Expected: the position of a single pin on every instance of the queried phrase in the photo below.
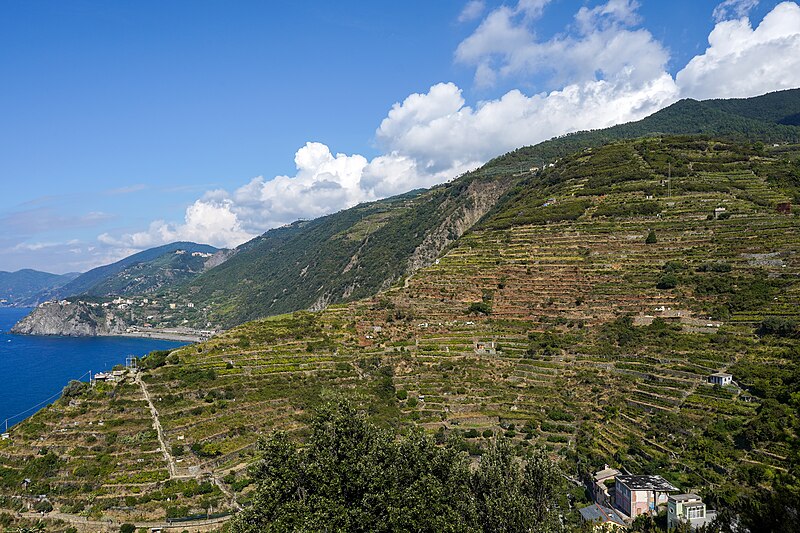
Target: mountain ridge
(360, 251)
(307, 265)
(23, 287)
(556, 321)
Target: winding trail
(173, 470)
(157, 426)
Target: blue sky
(130, 124)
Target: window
(695, 512)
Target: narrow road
(226, 492)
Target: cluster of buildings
(619, 499)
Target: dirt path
(157, 426)
(86, 524)
(173, 470)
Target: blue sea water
(33, 370)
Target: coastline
(166, 335)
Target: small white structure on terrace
(720, 378)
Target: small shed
(718, 211)
(720, 378)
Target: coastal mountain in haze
(141, 273)
(24, 287)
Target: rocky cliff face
(70, 319)
(481, 197)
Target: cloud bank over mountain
(603, 69)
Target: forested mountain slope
(24, 287)
(359, 251)
(152, 266)
(583, 313)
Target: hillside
(357, 252)
(143, 272)
(347, 255)
(24, 287)
(583, 313)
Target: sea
(34, 369)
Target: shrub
(127, 528)
(667, 281)
(715, 267)
(154, 359)
(487, 433)
(471, 433)
(778, 326)
(402, 395)
(43, 506)
(74, 388)
(483, 308)
(674, 266)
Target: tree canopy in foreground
(354, 476)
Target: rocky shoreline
(75, 319)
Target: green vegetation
(25, 287)
(592, 361)
(357, 252)
(353, 476)
(143, 272)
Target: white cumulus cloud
(207, 221)
(603, 69)
(741, 61)
(604, 44)
(733, 9)
(472, 10)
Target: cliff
(71, 319)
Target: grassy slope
(570, 374)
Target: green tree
(511, 497)
(43, 506)
(74, 388)
(651, 238)
(667, 281)
(353, 476)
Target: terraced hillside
(583, 313)
(357, 252)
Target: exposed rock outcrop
(481, 196)
(70, 319)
